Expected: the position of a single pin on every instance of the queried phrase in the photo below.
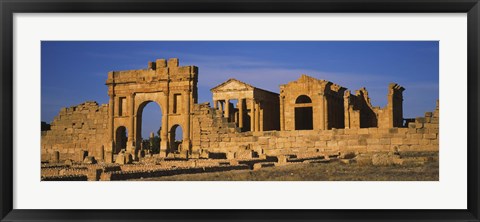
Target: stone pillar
(215, 104)
(240, 113)
(346, 108)
(111, 113)
(325, 112)
(227, 110)
(110, 117)
(319, 113)
(235, 118)
(164, 131)
(261, 118)
(252, 115)
(221, 105)
(257, 116)
(186, 133)
(282, 116)
(131, 132)
(102, 153)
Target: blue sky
(75, 71)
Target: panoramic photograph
(239, 111)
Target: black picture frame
(9, 7)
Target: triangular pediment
(232, 85)
(306, 78)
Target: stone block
(430, 136)
(244, 154)
(363, 131)
(120, 159)
(396, 141)
(384, 159)
(230, 155)
(420, 120)
(90, 160)
(363, 160)
(282, 159)
(68, 162)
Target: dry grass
(333, 171)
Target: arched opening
(303, 99)
(176, 139)
(149, 126)
(303, 113)
(121, 136)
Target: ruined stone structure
(256, 109)
(359, 112)
(76, 130)
(311, 104)
(172, 87)
(309, 117)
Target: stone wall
(359, 112)
(218, 136)
(309, 103)
(76, 129)
(210, 127)
(82, 128)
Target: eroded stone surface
(308, 119)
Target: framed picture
(269, 110)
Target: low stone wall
(75, 129)
(136, 174)
(421, 135)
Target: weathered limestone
(251, 105)
(309, 117)
(311, 104)
(172, 87)
(77, 128)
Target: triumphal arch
(172, 87)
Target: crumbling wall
(359, 112)
(76, 129)
(209, 127)
(216, 136)
(392, 114)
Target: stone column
(131, 133)
(262, 122)
(215, 104)
(110, 118)
(240, 113)
(282, 116)
(221, 105)
(257, 116)
(235, 118)
(346, 109)
(164, 131)
(186, 133)
(325, 112)
(252, 115)
(227, 110)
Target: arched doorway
(303, 113)
(121, 136)
(176, 138)
(149, 123)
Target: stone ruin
(310, 120)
